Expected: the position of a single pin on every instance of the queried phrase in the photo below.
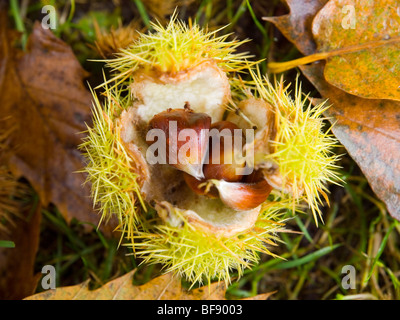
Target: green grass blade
(256, 22)
(71, 12)
(380, 250)
(143, 13)
(7, 244)
(306, 259)
(19, 24)
(240, 11)
(303, 229)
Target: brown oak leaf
(17, 277)
(370, 131)
(44, 102)
(165, 287)
(296, 26)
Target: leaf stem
(278, 67)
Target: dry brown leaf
(17, 278)
(165, 287)
(296, 26)
(11, 192)
(368, 128)
(43, 99)
(370, 131)
(262, 296)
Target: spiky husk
(203, 257)
(185, 250)
(111, 171)
(302, 148)
(108, 43)
(194, 253)
(177, 47)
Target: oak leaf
(17, 277)
(370, 131)
(165, 287)
(346, 26)
(44, 103)
(296, 26)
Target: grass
(19, 24)
(357, 229)
(7, 244)
(78, 255)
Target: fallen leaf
(368, 128)
(165, 287)
(296, 26)
(43, 98)
(262, 296)
(370, 131)
(10, 191)
(17, 278)
(348, 25)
